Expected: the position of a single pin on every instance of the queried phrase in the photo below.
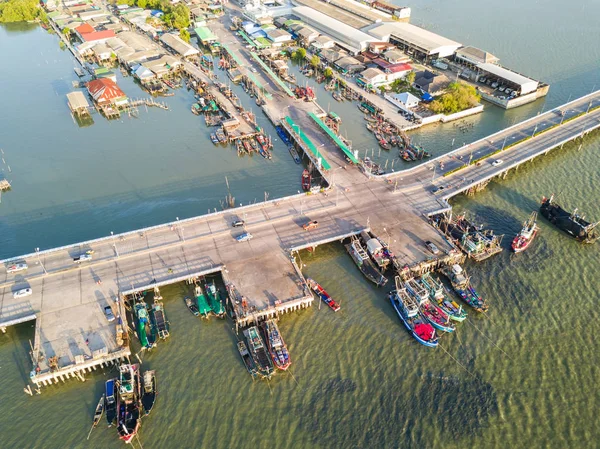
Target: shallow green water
(523, 376)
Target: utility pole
(37, 250)
(112, 234)
(180, 229)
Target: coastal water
(525, 375)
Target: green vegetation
(405, 85)
(328, 73)
(315, 61)
(66, 31)
(185, 35)
(410, 77)
(21, 11)
(299, 55)
(176, 16)
(458, 98)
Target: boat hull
(429, 344)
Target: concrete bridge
(68, 299)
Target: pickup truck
(82, 258)
(310, 225)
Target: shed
(524, 85)
(205, 35)
(179, 45)
(407, 99)
(143, 73)
(78, 104)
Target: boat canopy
(374, 246)
(457, 269)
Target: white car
(497, 162)
(16, 267)
(244, 237)
(253, 70)
(22, 293)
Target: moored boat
(158, 319)
(282, 135)
(306, 180)
(294, 154)
(364, 263)
(192, 307)
(220, 135)
(110, 401)
(570, 222)
(462, 286)
(385, 144)
(438, 293)
(128, 402)
(214, 139)
(337, 97)
(98, 412)
(530, 229)
(321, 293)
(276, 345)
(247, 147)
(247, 358)
(258, 351)
(203, 307)
(150, 391)
(143, 324)
(214, 299)
(408, 311)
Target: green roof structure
(272, 74)
(334, 137)
(308, 143)
(205, 35)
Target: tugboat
(247, 358)
(408, 311)
(464, 289)
(258, 352)
(530, 229)
(364, 262)
(572, 223)
(128, 402)
(277, 347)
(320, 291)
(150, 391)
(306, 180)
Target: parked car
(310, 225)
(22, 293)
(238, 223)
(494, 85)
(431, 247)
(85, 257)
(253, 70)
(438, 189)
(508, 90)
(108, 313)
(497, 162)
(244, 237)
(16, 267)
(501, 88)
(482, 79)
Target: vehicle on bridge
(432, 247)
(497, 162)
(16, 267)
(310, 225)
(244, 237)
(238, 223)
(22, 293)
(82, 258)
(108, 313)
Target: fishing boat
(282, 135)
(369, 118)
(248, 147)
(258, 352)
(253, 144)
(240, 147)
(376, 250)
(364, 263)
(214, 299)
(220, 135)
(262, 142)
(158, 319)
(150, 391)
(321, 293)
(438, 294)
(247, 358)
(128, 402)
(530, 229)
(408, 311)
(214, 139)
(463, 288)
(277, 347)
(371, 127)
(110, 401)
(385, 144)
(196, 109)
(337, 97)
(372, 167)
(99, 411)
(294, 154)
(306, 180)
(569, 222)
(432, 312)
(143, 324)
(362, 108)
(192, 307)
(203, 307)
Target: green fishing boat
(214, 299)
(203, 306)
(143, 324)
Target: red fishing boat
(262, 142)
(277, 347)
(530, 229)
(321, 293)
(306, 180)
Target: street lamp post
(180, 229)
(534, 130)
(112, 234)
(37, 250)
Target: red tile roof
(402, 67)
(85, 28)
(97, 35)
(104, 90)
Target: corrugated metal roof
(77, 100)
(179, 45)
(414, 35)
(527, 84)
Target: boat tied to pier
(143, 324)
(247, 358)
(110, 401)
(150, 391)
(203, 307)
(258, 352)
(408, 311)
(214, 299)
(364, 262)
(306, 180)
(277, 347)
(438, 294)
(463, 288)
(128, 402)
(530, 229)
(569, 222)
(321, 293)
(192, 307)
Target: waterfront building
(404, 100)
(471, 56)
(430, 82)
(349, 65)
(106, 93)
(178, 45)
(323, 42)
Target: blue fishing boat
(294, 154)
(439, 295)
(408, 311)
(431, 312)
(282, 135)
(464, 289)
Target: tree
(410, 77)
(181, 16)
(300, 55)
(66, 31)
(457, 98)
(20, 11)
(328, 73)
(184, 34)
(142, 3)
(315, 61)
